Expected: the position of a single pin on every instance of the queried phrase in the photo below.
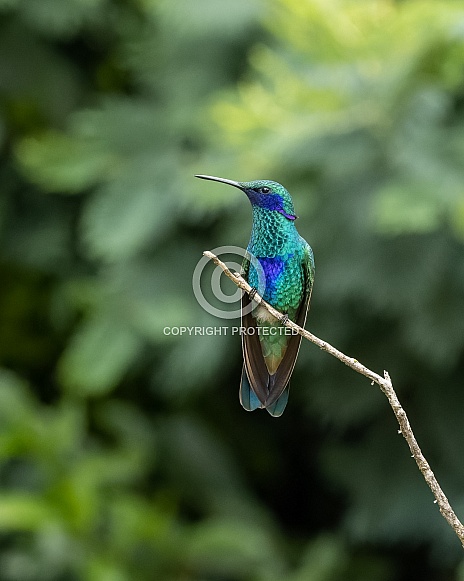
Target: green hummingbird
(280, 265)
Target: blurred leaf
(399, 208)
(19, 512)
(62, 163)
(100, 570)
(124, 216)
(127, 127)
(324, 560)
(60, 17)
(206, 15)
(226, 547)
(98, 356)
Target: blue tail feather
(248, 398)
(277, 408)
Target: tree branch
(385, 385)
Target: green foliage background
(124, 453)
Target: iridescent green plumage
(283, 275)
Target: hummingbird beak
(222, 180)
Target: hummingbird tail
(276, 409)
(248, 398)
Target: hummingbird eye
(265, 190)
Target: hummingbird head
(265, 194)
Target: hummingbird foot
(284, 320)
(252, 293)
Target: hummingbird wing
(254, 365)
(255, 376)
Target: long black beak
(222, 180)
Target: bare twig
(385, 385)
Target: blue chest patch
(273, 269)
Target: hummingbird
(280, 256)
